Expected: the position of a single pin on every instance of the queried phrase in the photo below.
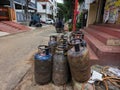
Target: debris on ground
(95, 77)
(28, 83)
(101, 77)
(108, 81)
(115, 71)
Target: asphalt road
(15, 53)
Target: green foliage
(80, 1)
(79, 24)
(70, 7)
(70, 27)
(62, 10)
(66, 10)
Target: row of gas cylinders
(62, 59)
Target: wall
(54, 9)
(99, 17)
(92, 13)
(43, 17)
(87, 3)
(51, 9)
(12, 14)
(40, 8)
(32, 3)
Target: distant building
(16, 9)
(47, 9)
(85, 5)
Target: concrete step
(93, 57)
(108, 55)
(108, 30)
(8, 29)
(117, 26)
(16, 25)
(104, 37)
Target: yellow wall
(92, 14)
(12, 14)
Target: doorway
(4, 15)
(100, 12)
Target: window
(44, 6)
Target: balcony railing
(20, 1)
(23, 2)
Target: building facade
(18, 8)
(104, 11)
(47, 9)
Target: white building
(47, 9)
(85, 5)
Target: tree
(62, 10)
(70, 7)
(66, 10)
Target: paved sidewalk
(15, 53)
(3, 33)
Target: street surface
(15, 53)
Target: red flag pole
(75, 14)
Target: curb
(10, 34)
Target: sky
(60, 1)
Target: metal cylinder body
(60, 69)
(52, 44)
(43, 68)
(79, 64)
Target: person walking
(59, 26)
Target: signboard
(112, 6)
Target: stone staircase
(16, 25)
(103, 44)
(12, 27)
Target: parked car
(42, 21)
(49, 21)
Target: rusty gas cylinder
(43, 65)
(52, 44)
(77, 34)
(60, 67)
(78, 59)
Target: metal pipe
(75, 14)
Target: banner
(111, 6)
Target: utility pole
(22, 10)
(26, 10)
(75, 14)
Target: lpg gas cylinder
(77, 34)
(43, 65)
(63, 41)
(52, 44)
(60, 66)
(77, 37)
(79, 63)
